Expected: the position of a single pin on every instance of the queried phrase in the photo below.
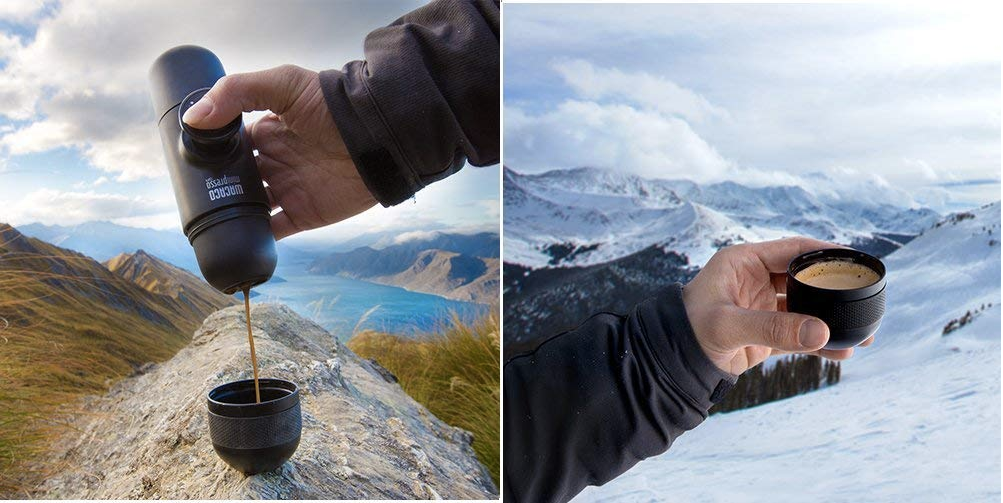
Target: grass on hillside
(56, 346)
(454, 373)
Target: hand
(301, 155)
(737, 316)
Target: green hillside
(69, 327)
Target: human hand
(735, 311)
(301, 155)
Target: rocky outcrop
(363, 437)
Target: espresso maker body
(220, 195)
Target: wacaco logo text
(223, 187)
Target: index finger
(275, 89)
(776, 255)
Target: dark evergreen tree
(786, 377)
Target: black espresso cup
(853, 314)
(255, 437)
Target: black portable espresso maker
(220, 195)
(254, 425)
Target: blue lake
(345, 306)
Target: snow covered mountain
(587, 216)
(914, 418)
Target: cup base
(254, 461)
(846, 338)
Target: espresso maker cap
(178, 72)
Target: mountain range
(452, 265)
(585, 240)
(457, 266)
(914, 418)
(587, 216)
(162, 278)
(104, 240)
(69, 326)
(44, 279)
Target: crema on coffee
(837, 275)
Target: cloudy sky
(78, 138)
(897, 98)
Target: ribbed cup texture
(844, 315)
(256, 432)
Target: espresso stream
(250, 339)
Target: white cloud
(414, 236)
(19, 10)
(55, 207)
(923, 168)
(456, 204)
(37, 137)
(642, 88)
(585, 133)
(82, 81)
(8, 44)
(847, 183)
(908, 94)
(424, 235)
(491, 207)
(85, 184)
(164, 220)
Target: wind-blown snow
(916, 417)
(624, 214)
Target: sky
(902, 98)
(78, 137)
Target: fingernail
(813, 334)
(198, 111)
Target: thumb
(778, 330)
(275, 89)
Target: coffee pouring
(254, 424)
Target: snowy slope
(915, 418)
(622, 214)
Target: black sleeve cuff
(381, 171)
(666, 325)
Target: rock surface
(363, 437)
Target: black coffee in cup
(845, 288)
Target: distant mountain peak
(457, 266)
(12, 240)
(163, 278)
(103, 240)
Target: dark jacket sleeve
(424, 101)
(588, 404)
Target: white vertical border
(501, 252)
